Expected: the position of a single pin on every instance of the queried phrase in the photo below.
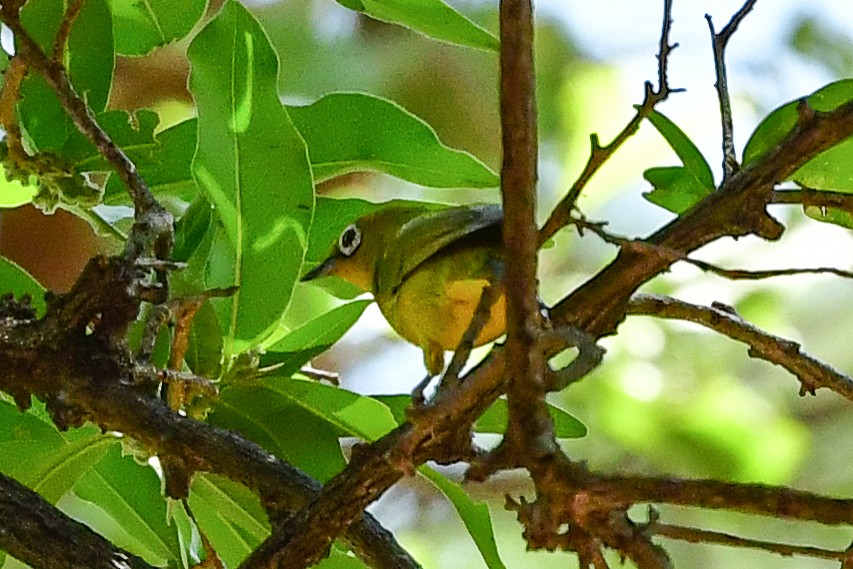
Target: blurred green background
(670, 398)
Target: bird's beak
(320, 270)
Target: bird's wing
(426, 235)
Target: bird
(428, 269)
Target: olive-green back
(426, 235)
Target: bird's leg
(488, 298)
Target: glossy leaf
(475, 515)
(280, 425)
(232, 518)
(348, 132)
(14, 194)
(129, 493)
(19, 282)
(252, 165)
(678, 188)
(684, 148)
(830, 170)
(90, 61)
(140, 26)
(54, 461)
(675, 188)
(312, 338)
(494, 420)
(432, 18)
(229, 515)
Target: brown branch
(599, 155)
(719, 43)
(816, 198)
(530, 428)
(37, 533)
(64, 31)
(733, 274)
(812, 373)
(695, 535)
(152, 232)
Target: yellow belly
(433, 310)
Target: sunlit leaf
(678, 188)
(829, 170)
(54, 461)
(19, 282)
(475, 515)
(140, 26)
(312, 338)
(253, 167)
(494, 420)
(432, 18)
(129, 493)
(347, 132)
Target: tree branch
(599, 155)
(38, 534)
(719, 42)
(152, 232)
(812, 373)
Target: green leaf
(371, 133)
(253, 167)
(91, 55)
(684, 148)
(129, 132)
(678, 188)
(164, 163)
(312, 338)
(432, 18)
(675, 188)
(831, 169)
(234, 521)
(90, 61)
(475, 515)
(19, 282)
(494, 420)
(830, 215)
(129, 493)
(229, 515)
(141, 26)
(268, 417)
(54, 461)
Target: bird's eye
(349, 240)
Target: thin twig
(812, 373)
(696, 535)
(64, 31)
(733, 274)
(599, 154)
(816, 198)
(719, 42)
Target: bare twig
(695, 535)
(812, 373)
(599, 154)
(733, 274)
(64, 31)
(719, 42)
(816, 198)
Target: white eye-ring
(349, 240)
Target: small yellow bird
(427, 269)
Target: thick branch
(38, 534)
(530, 429)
